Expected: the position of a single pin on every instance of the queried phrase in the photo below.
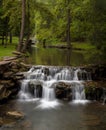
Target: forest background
(56, 21)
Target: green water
(64, 57)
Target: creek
(64, 57)
(42, 90)
(66, 116)
(44, 111)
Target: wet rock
(7, 75)
(15, 70)
(8, 83)
(19, 75)
(15, 114)
(8, 123)
(17, 53)
(63, 91)
(27, 124)
(10, 58)
(3, 63)
(98, 72)
(1, 121)
(18, 78)
(25, 66)
(4, 67)
(45, 71)
(94, 90)
(35, 89)
(4, 93)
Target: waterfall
(40, 82)
(104, 96)
(48, 94)
(48, 91)
(78, 91)
(76, 74)
(24, 93)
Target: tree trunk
(68, 25)
(10, 38)
(6, 39)
(24, 49)
(3, 38)
(68, 57)
(20, 46)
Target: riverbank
(10, 76)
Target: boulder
(4, 93)
(98, 72)
(15, 114)
(94, 90)
(63, 91)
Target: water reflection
(58, 57)
(63, 57)
(68, 57)
(94, 116)
(91, 116)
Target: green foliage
(12, 10)
(47, 19)
(88, 19)
(98, 21)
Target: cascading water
(24, 93)
(41, 83)
(48, 92)
(78, 91)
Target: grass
(83, 45)
(77, 45)
(7, 51)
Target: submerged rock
(1, 121)
(15, 114)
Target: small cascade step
(42, 82)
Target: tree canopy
(51, 19)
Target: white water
(48, 91)
(24, 93)
(47, 78)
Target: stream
(65, 116)
(64, 57)
(43, 111)
(38, 97)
